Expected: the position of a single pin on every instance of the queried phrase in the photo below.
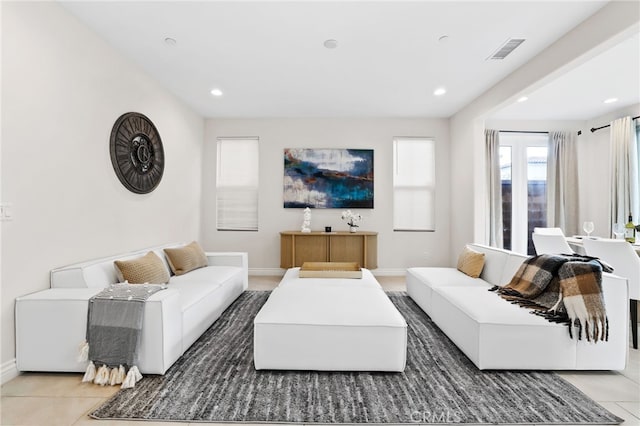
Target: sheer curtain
(624, 171)
(562, 182)
(494, 187)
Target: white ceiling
(268, 57)
(579, 94)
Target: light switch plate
(6, 212)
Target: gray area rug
(215, 381)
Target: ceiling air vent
(508, 47)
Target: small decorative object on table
(306, 223)
(352, 219)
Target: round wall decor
(136, 150)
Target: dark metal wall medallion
(136, 153)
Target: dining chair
(550, 244)
(548, 231)
(626, 263)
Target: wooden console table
(298, 247)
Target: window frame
(429, 187)
(251, 188)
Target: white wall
(613, 23)
(62, 90)
(396, 250)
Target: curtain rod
(520, 131)
(529, 131)
(593, 129)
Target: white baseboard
(278, 272)
(389, 272)
(269, 272)
(8, 371)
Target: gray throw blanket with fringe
(114, 326)
(562, 288)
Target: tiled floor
(61, 399)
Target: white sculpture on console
(306, 223)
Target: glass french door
(523, 170)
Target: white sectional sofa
(496, 334)
(51, 324)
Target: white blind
(237, 184)
(414, 183)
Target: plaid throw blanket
(564, 289)
(114, 325)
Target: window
(414, 184)
(638, 145)
(237, 184)
(523, 170)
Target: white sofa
(51, 324)
(495, 334)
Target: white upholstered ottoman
(329, 324)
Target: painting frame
(328, 178)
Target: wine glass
(618, 230)
(588, 228)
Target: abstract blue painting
(328, 178)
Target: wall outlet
(6, 212)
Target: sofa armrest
(51, 324)
(239, 259)
(611, 355)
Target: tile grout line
(630, 413)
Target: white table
(329, 324)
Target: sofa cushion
(186, 259)
(192, 293)
(146, 269)
(487, 307)
(471, 262)
(446, 277)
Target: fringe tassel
(102, 376)
(90, 373)
(133, 376)
(117, 376)
(137, 374)
(83, 354)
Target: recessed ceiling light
(330, 44)
(610, 100)
(440, 91)
(523, 99)
(170, 41)
(216, 92)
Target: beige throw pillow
(185, 259)
(471, 262)
(146, 269)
